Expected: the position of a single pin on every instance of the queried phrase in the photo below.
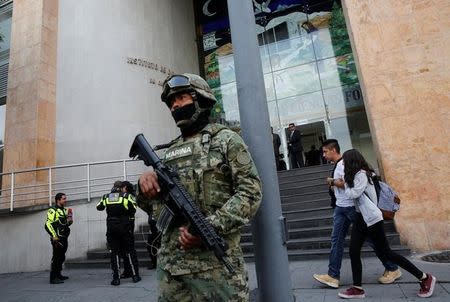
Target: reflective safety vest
(56, 224)
(118, 205)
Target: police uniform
(57, 226)
(120, 208)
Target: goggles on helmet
(176, 81)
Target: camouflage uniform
(219, 174)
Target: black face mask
(185, 114)
(183, 118)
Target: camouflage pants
(215, 285)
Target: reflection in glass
(322, 43)
(5, 34)
(270, 91)
(2, 124)
(301, 109)
(273, 113)
(338, 71)
(309, 71)
(340, 100)
(296, 80)
(300, 51)
(230, 102)
(226, 69)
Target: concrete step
(305, 171)
(298, 214)
(100, 263)
(324, 231)
(307, 189)
(318, 243)
(309, 222)
(302, 177)
(305, 205)
(297, 255)
(141, 252)
(311, 243)
(313, 180)
(303, 197)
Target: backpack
(388, 200)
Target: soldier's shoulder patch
(243, 158)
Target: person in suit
(276, 141)
(295, 147)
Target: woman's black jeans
(360, 232)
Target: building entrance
(309, 72)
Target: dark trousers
(360, 232)
(58, 258)
(297, 160)
(127, 269)
(120, 237)
(153, 241)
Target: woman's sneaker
(427, 286)
(352, 293)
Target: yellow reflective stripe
(113, 201)
(50, 220)
(125, 203)
(102, 201)
(50, 228)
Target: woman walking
(369, 223)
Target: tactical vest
(203, 169)
(202, 166)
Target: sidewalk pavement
(93, 284)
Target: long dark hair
(353, 163)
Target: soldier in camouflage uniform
(217, 170)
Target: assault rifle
(178, 200)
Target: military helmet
(188, 82)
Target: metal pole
(124, 169)
(268, 228)
(11, 206)
(88, 182)
(50, 186)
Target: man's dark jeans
(343, 217)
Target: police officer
(119, 233)
(214, 165)
(127, 187)
(57, 226)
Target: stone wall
(30, 110)
(402, 51)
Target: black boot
(115, 265)
(54, 279)
(61, 277)
(115, 281)
(136, 279)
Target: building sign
(145, 63)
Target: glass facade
(5, 40)
(309, 70)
